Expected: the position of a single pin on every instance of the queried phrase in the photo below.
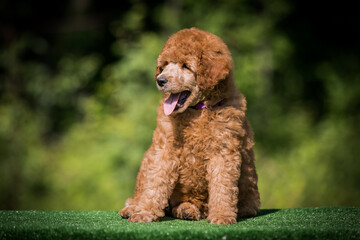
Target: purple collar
(201, 105)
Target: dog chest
(192, 175)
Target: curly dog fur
(201, 162)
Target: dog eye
(162, 66)
(186, 66)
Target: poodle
(201, 162)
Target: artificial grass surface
(303, 223)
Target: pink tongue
(170, 103)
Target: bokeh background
(78, 98)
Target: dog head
(190, 65)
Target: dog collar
(201, 105)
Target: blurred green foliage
(78, 99)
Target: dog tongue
(170, 103)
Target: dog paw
(126, 212)
(143, 216)
(221, 220)
(187, 211)
(246, 212)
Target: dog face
(178, 82)
(189, 66)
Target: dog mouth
(175, 101)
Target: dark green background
(78, 99)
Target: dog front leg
(223, 178)
(155, 183)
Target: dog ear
(214, 66)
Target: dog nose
(161, 81)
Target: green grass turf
(303, 223)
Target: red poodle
(201, 162)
